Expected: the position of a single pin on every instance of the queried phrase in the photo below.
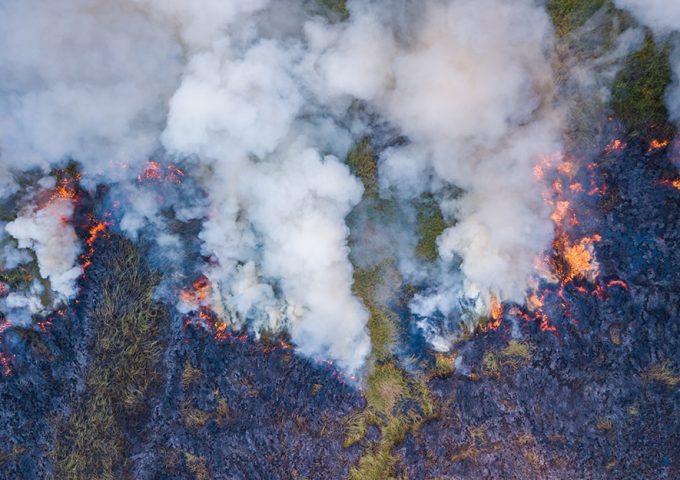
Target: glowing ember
(671, 183)
(657, 144)
(615, 145)
(5, 363)
(567, 168)
(576, 187)
(155, 172)
(152, 171)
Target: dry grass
(197, 466)
(124, 369)
(190, 374)
(663, 374)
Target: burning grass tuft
(123, 370)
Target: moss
(567, 15)
(124, 369)
(431, 225)
(639, 88)
(363, 163)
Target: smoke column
(258, 101)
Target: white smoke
(469, 85)
(255, 96)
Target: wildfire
(96, 229)
(615, 145)
(657, 144)
(198, 293)
(155, 172)
(671, 183)
(575, 260)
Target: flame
(575, 260)
(495, 314)
(155, 172)
(567, 168)
(615, 145)
(198, 293)
(657, 144)
(152, 171)
(576, 187)
(671, 183)
(96, 229)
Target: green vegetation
(16, 277)
(388, 390)
(431, 224)
(338, 7)
(363, 163)
(512, 357)
(123, 371)
(382, 321)
(567, 15)
(639, 88)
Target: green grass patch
(363, 163)
(568, 15)
(639, 88)
(382, 322)
(337, 7)
(431, 224)
(123, 371)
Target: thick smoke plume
(259, 102)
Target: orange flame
(198, 293)
(95, 230)
(615, 145)
(657, 144)
(671, 183)
(575, 260)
